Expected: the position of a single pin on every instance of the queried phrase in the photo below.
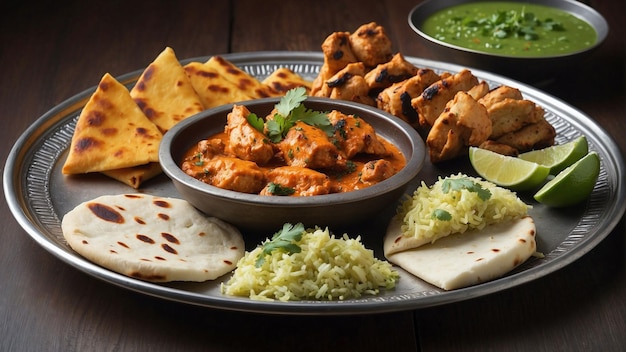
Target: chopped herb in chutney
(511, 29)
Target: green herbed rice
(326, 268)
(464, 208)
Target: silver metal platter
(39, 195)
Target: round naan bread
(469, 258)
(153, 238)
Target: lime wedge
(572, 185)
(558, 157)
(507, 171)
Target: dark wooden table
(53, 50)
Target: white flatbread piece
(474, 257)
(153, 238)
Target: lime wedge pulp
(558, 157)
(507, 171)
(572, 185)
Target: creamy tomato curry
(307, 161)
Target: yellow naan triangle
(284, 79)
(164, 92)
(213, 89)
(240, 78)
(136, 175)
(111, 132)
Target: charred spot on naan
(105, 212)
(86, 144)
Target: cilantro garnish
(292, 99)
(283, 239)
(199, 159)
(350, 168)
(459, 184)
(291, 110)
(278, 190)
(255, 121)
(504, 24)
(441, 215)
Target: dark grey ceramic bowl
(256, 213)
(530, 70)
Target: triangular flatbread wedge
(164, 92)
(136, 175)
(284, 79)
(152, 238)
(213, 89)
(470, 258)
(111, 132)
(240, 78)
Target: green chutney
(511, 29)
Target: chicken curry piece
(308, 161)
